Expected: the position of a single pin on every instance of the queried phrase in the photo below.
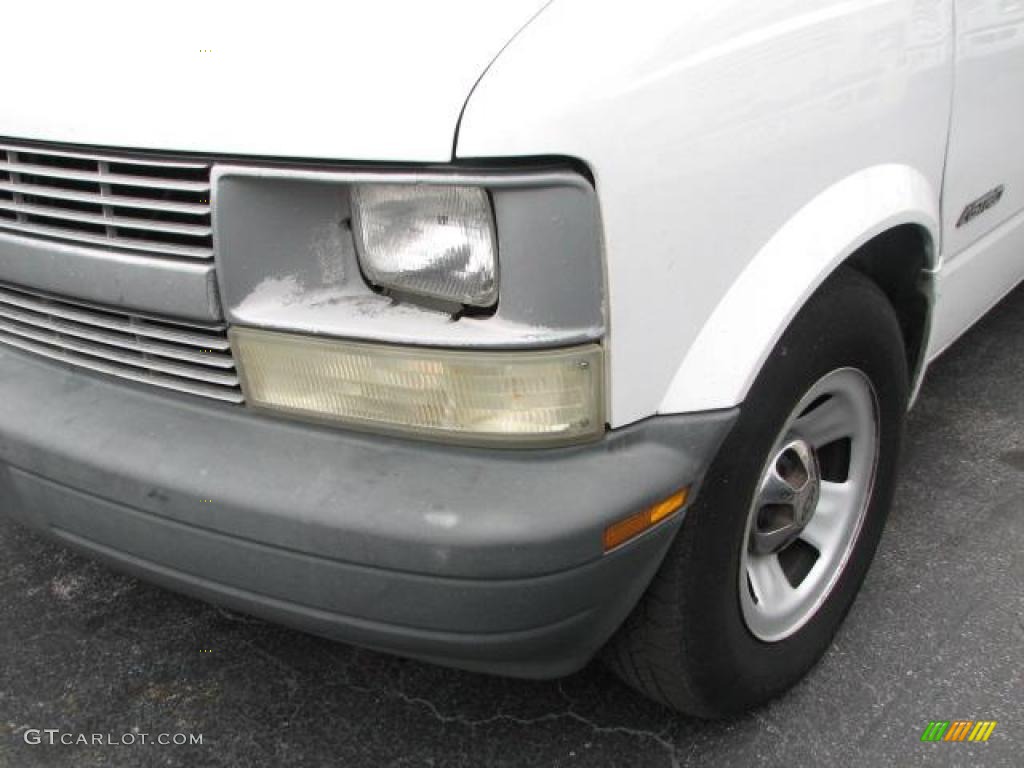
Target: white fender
(721, 365)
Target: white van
(498, 334)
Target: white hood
(368, 80)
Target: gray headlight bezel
(286, 260)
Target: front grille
(167, 353)
(154, 206)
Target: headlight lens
(507, 397)
(435, 241)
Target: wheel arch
(883, 221)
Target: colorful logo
(958, 730)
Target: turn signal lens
(506, 397)
(624, 530)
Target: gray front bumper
(483, 559)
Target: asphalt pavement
(937, 634)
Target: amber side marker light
(624, 530)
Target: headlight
(431, 240)
(507, 397)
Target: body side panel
(983, 190)
(972, 283)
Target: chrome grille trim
(186, 357)
(150, 205)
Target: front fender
(716, 133)
(721, 365)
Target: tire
(695, 642)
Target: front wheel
(770, 557)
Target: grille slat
(146, 377)
(189, 358)
(87, 333)
(141, 160)
(96, 350)
(115, 201)
(118, 179)
(212, 338)
(98, 239)
(112, 220)
(150, 205)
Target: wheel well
(897, 261)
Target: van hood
(370, 80)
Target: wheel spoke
(827, 423)
(767, 578)
(823, 531)
(768, 542)
(833, 498)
